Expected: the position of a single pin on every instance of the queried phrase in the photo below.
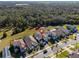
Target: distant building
(22, 4)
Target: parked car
(45, 51)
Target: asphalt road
(55, 49)
(39, 54)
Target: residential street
(55, 49)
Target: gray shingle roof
(38, 35)
(30, 41)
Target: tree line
(37, 16)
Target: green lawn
(63, 54)
(77, 27)
(72, 49)
(50, 27)
(64, 26)
(77, 45)
(71, 37)
(1, 33)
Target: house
(46, 36)
(30, 43)
(62, 32)
(72, 28)
(53, 36)
(58, 33)
(66, 32)
(22, 48)
(17, 48)
(32, 38)
(6, 53)
(40, 38)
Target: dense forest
(38, 14)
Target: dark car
(45, 51)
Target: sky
(39, 0)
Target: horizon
(40, 0)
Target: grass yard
(71, 37)
(64, 26)
(1, 33)
(72, 49)
(63, 54)
(77, 27)
(50, 27)
(77, 45)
